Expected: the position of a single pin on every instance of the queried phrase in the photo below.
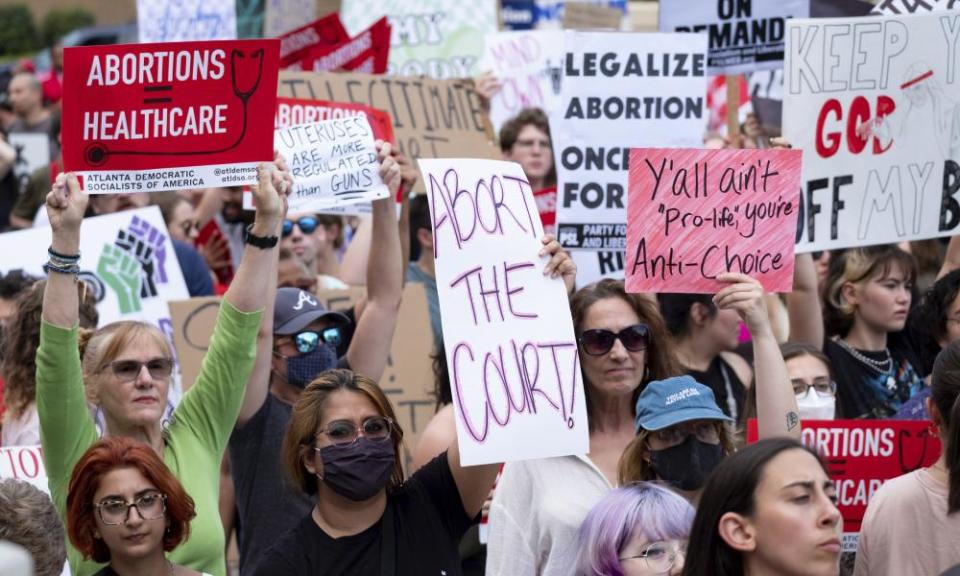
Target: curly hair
(29, 519)
(22, 338)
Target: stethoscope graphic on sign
(97, 153)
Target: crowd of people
(287, 441)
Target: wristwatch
(262, 242)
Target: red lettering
(833, 138)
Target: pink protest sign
(694, 214)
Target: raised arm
(370, 346)
(951, 260)
(66, 204)
(474, 482)
(803, 304)
(777, 412)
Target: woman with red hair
(125, 508)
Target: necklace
(880, 366)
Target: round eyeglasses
(115, 511)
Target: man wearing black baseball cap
(298, 342)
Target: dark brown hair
(105, 456)
(945, 395)
(511, 129)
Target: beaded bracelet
(71, 269)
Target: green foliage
(18, 35)
(61, 21)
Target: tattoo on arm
(793, 420)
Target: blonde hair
(98, 349)
(635, 467)
(307, 418)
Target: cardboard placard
(511, 351)
(24, 463)
(431, 118)
(434, 38)
(291, 111)
(282, 16)
(127, 259)
(620, 91)
(407, 381)
(695, 214)
(173, 116)
(863, 454)
(589, 16)
(872, 102)
(186, 20)
(296, 44)
(745, 35)
(897, 7)
(367, 52)
(529, 65)
(333, 163)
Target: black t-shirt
(865, 392)
(723, 380)
(428, 522)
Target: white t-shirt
(536, 513)
(906, 529)
(22, 431)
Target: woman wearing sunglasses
(640, 529)
(126, 367)
(125, 509)
(343, 448)
(315, 239)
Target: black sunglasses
(307, 225)
(308, 340)
(598, 342)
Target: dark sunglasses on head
(308, 340)
(307, 225)
(127, 370)
(598, 342)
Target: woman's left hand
(745, 295)
(274, 183)
(560, 264)
(389, 168)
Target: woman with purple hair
(638, 530)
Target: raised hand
(66, 205)
(122, 273)
(156, 240)
(139, 249)
(389, 168)
(560, 264)
(408, 172)
(487, 85)
(744, 295)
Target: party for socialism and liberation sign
(873, 102)
(863, 454)
(694, 214)
(170, 116)
(510, 346)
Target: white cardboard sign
(182, 20)
(510, 346)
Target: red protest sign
(863, 454)
(166, 116)
(296, 44)
(293, 111)
(367, 52)
(694, 214)
(546, 200)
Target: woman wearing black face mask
(343, 447)
(682, 435)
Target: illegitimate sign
(510, 347)
(155, 117)
(694, 214)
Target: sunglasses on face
(308, 340)
(307, 225)
(341, 432)
(600, 341)
(127, 370)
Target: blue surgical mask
(303, 369)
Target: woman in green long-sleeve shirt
(126, 366)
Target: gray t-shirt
(416, 274)
(268, 504)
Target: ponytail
(953, 458)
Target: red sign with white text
(546, 200)
(293, 111)
(168, 116)
(863, 454)
(296, 44)
(367, 52)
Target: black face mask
(686, 465)
(360, 470)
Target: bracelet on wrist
(70, 269)
(64, 257)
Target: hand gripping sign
(169, 116)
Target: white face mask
(813, 407)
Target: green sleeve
(211, 406)
(66, 428)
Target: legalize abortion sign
(153, 117)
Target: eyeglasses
(531, 142)
(308, 340)
(188, 226)
(824, 387)
(150, 506)
(660, 556)
(343, 432)
(598, 342)
(705, 432)
(307, 225)
(128, 370)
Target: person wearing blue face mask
(296, 343)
